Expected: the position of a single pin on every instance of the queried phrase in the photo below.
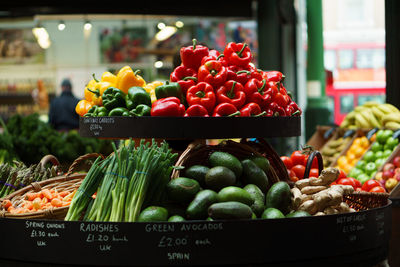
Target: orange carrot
(56, 202)
(47, 194)
(10, 209)
(28, 205)
(30, 196)
(64, 193)
(6, 203)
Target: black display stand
(356, 239)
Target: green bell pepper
(141, 110)
(119, 111)
(113, 98)
(102, 112)
(136, 96)
(92, 112)
(169, 89)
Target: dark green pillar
(317, 112)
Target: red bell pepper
(296, 109)
(225, 109)
(275, 110)
(202, 94)
(237, 54)
(212, 55)
(243, 74)
(185, 77)
(251, 110)
(196, 110)
(256, 91)
(213, 73)
(281, 98)
(191, 56)
(231, 92)
(273, 76)
(168, 107)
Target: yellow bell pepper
(109, 77)
(151, 89)
(91, 85)
(126, 78)
(97, 98)
(83, 107)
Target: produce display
(296, 164)
(375, 157)
(356, 150)
(389, 176)
(207, 83)
(372, 115)
(333, 148)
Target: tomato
(347, 181)
(299, 170)
(314, 172)
(377, 189)
(358, 183)
(342, 174)
(297, 157)
(287, 161)
(369, 184)
(314, 163)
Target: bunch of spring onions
(131, 178)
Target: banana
(369, 117)
(385, 109)
(361, 122)
(351, 115)
(392, 125)
(395, 117)
(359, 108)
(377, 112)
(374, 121)
(371, 104)
(390, 106)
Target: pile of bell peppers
(207, 83)
(210, 83)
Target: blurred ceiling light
(61, 25)
(161, 25)
(179, 24)
(158, 64)
(165, 33)
(87, 25)
(41, 36)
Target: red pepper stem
(137, 72)
(200, 94)
(241, 50)
(190, 78)
(261, 89)
(94, 77)
(222, 55)
(231, 94)
(234, 114)
(97, 92)
(260, 114)
(243, 71)
(194, 43)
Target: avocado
(175, 208)
(176, 218)
(233, 193)
(229, 210)
(197, 209)
(272, 213)
(262, 162)
(182, 189)
(198, 173)
(219, 158)
(252, 174)
(258, 197)
(299, 213)
(153, 214)
(279, 197)
(219, 177)
(253, 216)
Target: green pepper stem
(97, 92)
(243, 71)
(190, 78)
(137, 72)
(295, 113)
(241, 50)
(94, 77)
(222, 55)
(213, 72)
(261, 89)
(278, 84)
(234, 114)
(231, 94)
(194, 43)
(260, 114)
(200, 94)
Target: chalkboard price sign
(360, 236)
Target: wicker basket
(198, 154)
(360, 200)
(69, 182)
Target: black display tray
(189, 128)
(359, 238)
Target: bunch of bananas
(372, 115)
